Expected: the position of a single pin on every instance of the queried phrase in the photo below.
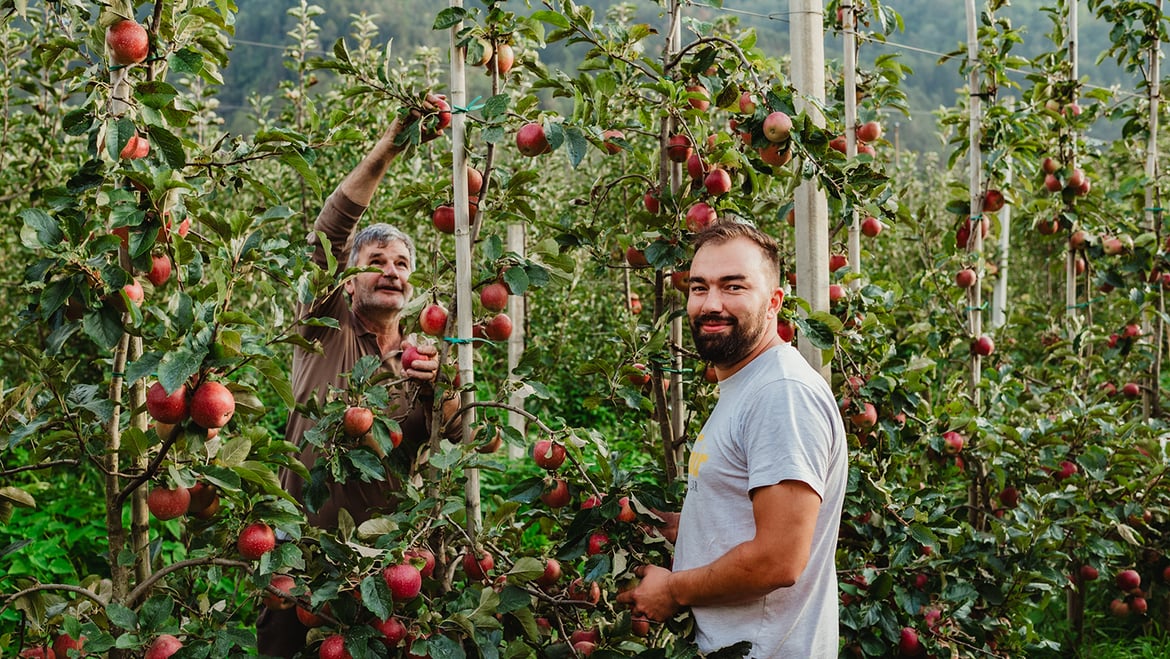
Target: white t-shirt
(776, 420)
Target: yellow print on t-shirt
(697, 459)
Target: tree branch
(141, 589)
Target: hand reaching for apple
(435, 115)
(420, 362)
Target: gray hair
(380, 234)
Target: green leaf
(578, 145)
(186, 61)
(449, 17)
(496, 106)
(103, 326)
(177, 366)
(235, 452)
(819, 329)
(155, 93)
(42, 230)
(376, 596)
(156, 611)
(517, 280)
(553, 18)
(142, 367)
(121, 616)
(441, 647)
(302, 167)
(17, 496)
(169, 145)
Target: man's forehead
(393, 247)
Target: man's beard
(729, 348)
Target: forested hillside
(931, 28)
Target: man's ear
(348, 286)
(775, 303)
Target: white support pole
(463, 267)
(1154, 328)
(1070, 261)
(850, 19)
(1000, 293)
(517, 309)
(807, 38)
(975, 196)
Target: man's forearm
(748, 571)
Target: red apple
(838, 144)
(478, 568)
(625, 511)
(133, 291)
(410, 355)
(392, 630)
(433, 319)
(333, 647)
(966, 278)
(165, 503)
(866, 418)
(953, 442)
(1068, 469)
(993, 201)
(747, 104)
(404, 581)
(1051, 183)
(160, 269)
(679, 148)
(164, 407)
(1131, 390)
(212, 405)
(1050, 166)
(256, 540)
(1118, 608)
(908, 643)
(551, 574)
(611, 147)
(871, 226)
(651, 202)
(443, 218)
(548, 454)
(836, 292)
(1009, 497)
(494, 296)
(696, 168)
(584, 591)
(717, 182)
(774, 156)
(499, 328)
(357, 421)
(505, 57)
(636, 258)
(777, 127)
(127, 42)
(698, 97)
(700, 216)
(283, 583)
(869, 132)
(1128, 580)
(557, 495)
(680, 280)
(531, 140)
(785, 329)
(983, 346)
(64, 643)
(421, 554)
(837, 261)
(1089, 573)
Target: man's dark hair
(727, 229)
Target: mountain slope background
(931, 29)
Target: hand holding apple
(425, 365)
(651, 598)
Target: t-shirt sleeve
(786, 435)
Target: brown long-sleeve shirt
(313, 373)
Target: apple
(133, 291)
(478, 568)
(636, 257)
(1119, 609)
(774, 156)
(1076, 179)
(696, 168)
(334, 648)
(1067, 469)
(443, 218)
(641, 378)
(1078, 240)
(531, 140)
(597, 542)
(651, 202)
(777, 127)
(1138, 605)
(680, 280)
(701, 215)
(698, 97)
(64, 643)
(202, 496)
(679, 148)
(1050, 166)
(1089, 573)
(1009, 497)
(212, 405)
(953, 442)
(426, 556)
(548, 454)
(908, 643)
(136, 147)
(966, 278)
(785, 329)
(505, 57)
(993, 200)
(585, 635)
(308, 618)
(410, 355)
(608, 144)
(983, 346)
(433, 319)
(404, 581)
(837, 261)
(127, 42)
(284, 584)
(836, 292)
(635, 304)
(494, 296)
(162, 647)
(640, 627)
(392, 630)
(256, 540)
(160, 269)
(1131, 390)
(838, 144)
(443, 114)
(869, 132)
(1051, 183)
(357, 421)
(718, 182)
(625, 511)
(1132, 331)
(166, 503)
(747, 104)
(552, 574)
(871, 226)
(474, 181)
(557, 495)
(164, 407)
(582, 591)
(1128, 580)
(499, 328)
(866, 418)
